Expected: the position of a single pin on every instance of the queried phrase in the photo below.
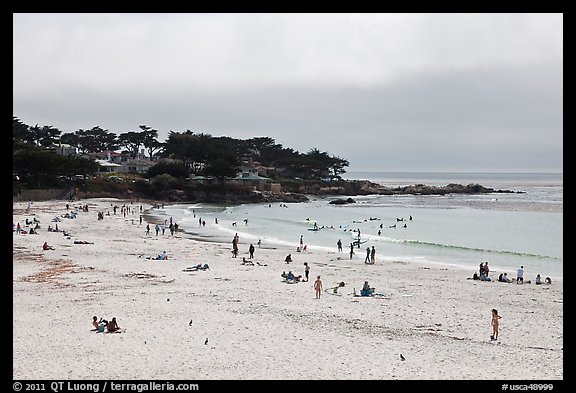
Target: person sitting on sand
(290, 275)
(112, 326)
(367, 290)
(548, 280)
(45, 246)
(288, 258)
(538, 280)
(95, 323)
(245, 262)
(503, 277)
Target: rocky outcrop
(365, 187)
(342, 201)
(422, 189)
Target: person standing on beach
(351, 250)
(339, 244)
(367, 259)
(306, 270)
(301, 242)
(494, 323)
(520, 275)
(373, 254)
(147, 229)
(318, 287)
(251, 251)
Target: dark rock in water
(342, 201)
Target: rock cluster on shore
(297, 192)
(365, 187)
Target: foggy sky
(387, 92)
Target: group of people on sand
(99, 325)
(503, 277)
(290, 277)
(32, 230)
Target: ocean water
(507, 230)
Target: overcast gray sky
(387, 92)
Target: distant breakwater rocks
(365, 187)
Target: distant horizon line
(461, 172)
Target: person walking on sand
(367, 259)
(494, 323)
(318, 287)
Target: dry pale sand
(257, 326)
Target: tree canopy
(198, 153)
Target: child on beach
(95, 323)
(318, 287)
(112, 326)
(494, 323)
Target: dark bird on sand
(190, 324)
(206, 342)
(402, 357)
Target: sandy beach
(257, 326)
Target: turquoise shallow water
(507, 230)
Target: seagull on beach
(206, 342)
(190, 324)
(402, 357)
